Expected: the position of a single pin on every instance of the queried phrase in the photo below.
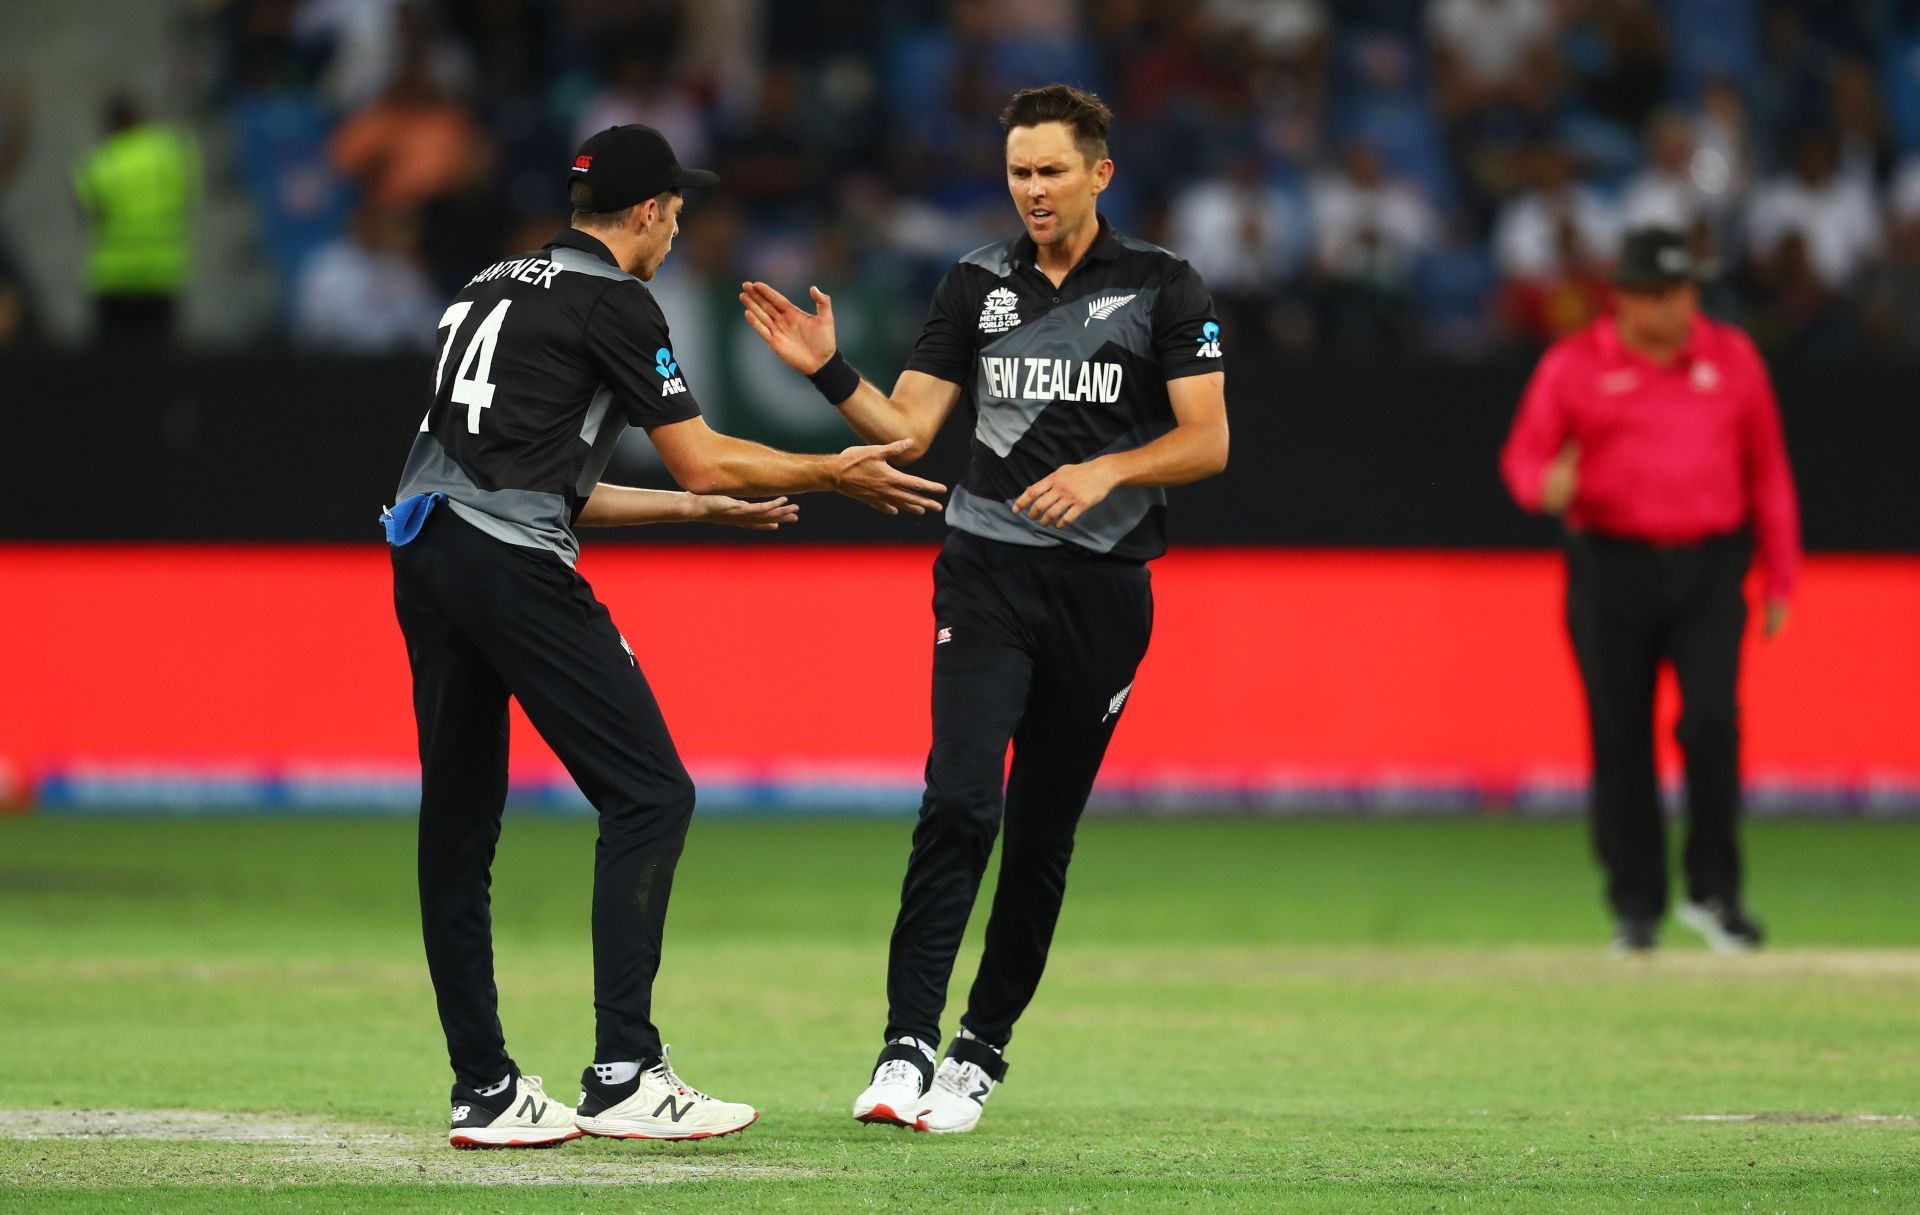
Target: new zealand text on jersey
(1035, 379)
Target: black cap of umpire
(625, 165)
(1656, 259)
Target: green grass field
(215, 1014)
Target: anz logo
(1209, 341)
(671, 384)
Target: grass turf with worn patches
(1316, 1016)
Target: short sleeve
(628, 344)
(1186, 329)
(945, 348)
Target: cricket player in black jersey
(1093, 364)
(545, 359)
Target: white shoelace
(897, 1071)
(664, 1070)
(961, 1081)
(533, 1082)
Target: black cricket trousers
(1630, 607)
(1036, 647)
(485, 620)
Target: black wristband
(837, 379)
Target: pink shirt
(1668, 454)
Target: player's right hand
(863, 474)
(1561, 482)
(803, 340)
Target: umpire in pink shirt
(1654, 433)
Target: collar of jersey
(1105, 247)
(1614, 347)
(574, 238)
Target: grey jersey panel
(601, 433)
(997, 257)
(517, 516)
(1099, 529)
(577, 262)
(1072, 333)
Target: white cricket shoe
(899, 1081)
(967, 1077)
(1726, 925)
(656, 1104)
(523, 1116)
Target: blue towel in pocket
(404, 519)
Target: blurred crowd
(1449, 175)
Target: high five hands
(803, 340)
(737, 512)
(863, 474)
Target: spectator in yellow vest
(137, 189)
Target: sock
(616, 1073)
(497, 1089)
(973, 1037)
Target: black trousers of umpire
(485, 620)
(1631, 606)
(1037, 648)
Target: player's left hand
(1777, 613)
(754, 516)
(803, 340)
(1060, 498)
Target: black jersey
(1059, 375)
(545, 359)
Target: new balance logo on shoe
(460, 1112)
(1104, 307)
(979, 1095)
(679, 1111)
(530, 1111)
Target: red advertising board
(1410, 674)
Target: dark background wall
(1325, 452)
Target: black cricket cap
(630, 164)
(1656, 259)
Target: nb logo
(530, 1112)
(460, 1112)
(979, 1095)
(679, 1111)
(1209, 341)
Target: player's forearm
(628, 506)
(750, 470)
(878, 418)
(1183, 455)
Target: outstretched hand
(863, 474)
(803, 340)
(754, 516)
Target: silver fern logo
(1119, 698)
(1104, 307)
